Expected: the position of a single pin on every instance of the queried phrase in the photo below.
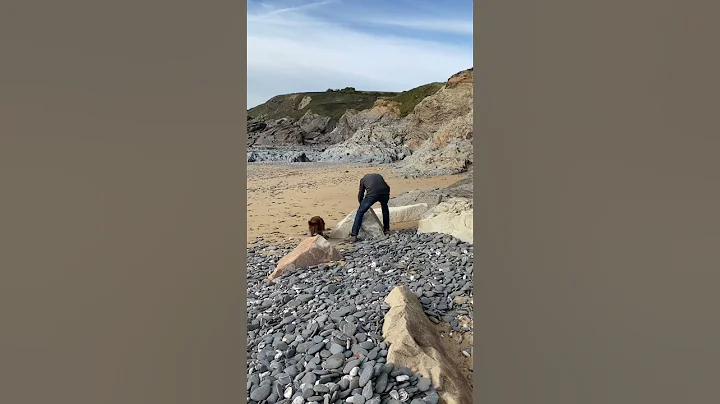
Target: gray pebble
(365, 376)
(313, 326)
(334, 362)
(368, 391)
(424, 384)
(261, 393)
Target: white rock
(402, 214)
(371, 226)
(453, 217)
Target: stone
(403, 214)
(368, 391)
(311, 251)
(453, 217)
(405, 329)
(370, 228)
(366, 375)
(381, 383)
(334, 362)
(261, 393)
(424, 384)
(309, 321)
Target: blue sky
(391, 45)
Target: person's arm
(361, 193)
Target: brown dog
(316, 225)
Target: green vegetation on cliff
(330, 103)
(333, 103)
(410, 98)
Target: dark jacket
(373, 185)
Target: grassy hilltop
(334, 103)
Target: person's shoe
(386, 232)
(351, 239)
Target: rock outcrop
(465, 76)
(309, 118)
(383, 112)
(413, 345)
(311, 251)
(375, 135)
(434, 139)
(297, 154)
(377, 143)
(453, 217)
(448, 151)
(437, 110)
(308, 130)
(371, 226)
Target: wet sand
(281, 198)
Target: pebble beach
(316, 334)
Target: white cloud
(462, 27)
(290, 51)
(296, 8)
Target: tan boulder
(413, 344)
(401, 214)
(311, 251)
(371, 226)
(453, 217)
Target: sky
(382, 45)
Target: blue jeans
(365, 205)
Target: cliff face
(305, 118)
(436, 138)
(428, 129)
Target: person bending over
(373, 188)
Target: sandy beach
(282, 197)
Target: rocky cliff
(306, 118)
(435, 138)
(428, 130)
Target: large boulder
(311, 251)
(371, 226)
(401, 214)
(453, 217)
(413, 344)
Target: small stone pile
(314, 336)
